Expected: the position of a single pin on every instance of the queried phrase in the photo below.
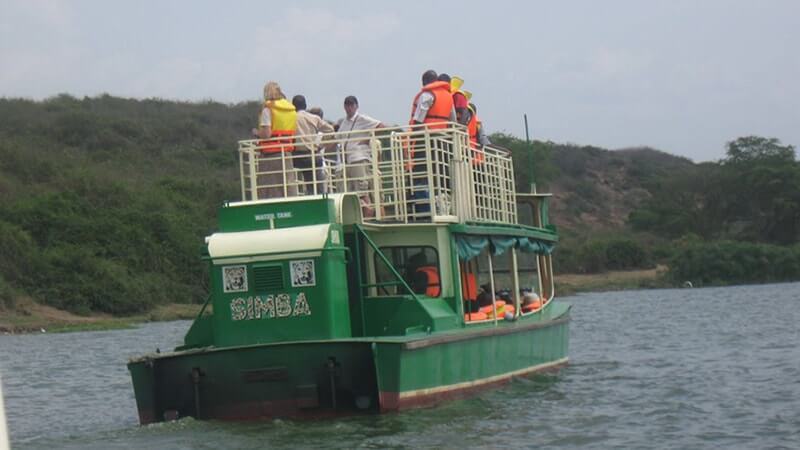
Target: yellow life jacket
(284, 125)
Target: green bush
(601, 255)
(102, 246)
(728, 262)
(8, 294)
(104, 202)
(626, 254)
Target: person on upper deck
(278, 123)
(317, 111)
(460, 100)
(433, 105)
(475, 127)
(308, 127)
(357, 151)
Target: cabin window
(503, 273)
(419, 267)
(496, 273)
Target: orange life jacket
(284, 124)
(437, 117)
(434, 288)
(469, 287)
(439, 112)
(472, 128)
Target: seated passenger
(530, 301)
(485, 296)
(423, 276)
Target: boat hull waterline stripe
(489, 380)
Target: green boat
(365, 286)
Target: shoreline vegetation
(28, 316)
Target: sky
(684, 77)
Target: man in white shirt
(357, 151)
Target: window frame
(401, 270)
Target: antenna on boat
(530, 154)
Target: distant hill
(596, 189)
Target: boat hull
(349, 376)
(425, 372)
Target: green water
(695, 368)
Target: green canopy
(470, 246)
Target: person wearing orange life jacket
(433, 104)
(432, 285)
(277, 123)
(477, 138)
(423, 276)
(433, 107)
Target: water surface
(691, 368)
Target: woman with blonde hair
(277, 123)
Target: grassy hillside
(597, 189)
(105, 200)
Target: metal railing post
(253, 177)
(375, 146)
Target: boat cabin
(383, 233)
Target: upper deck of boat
(402, 175)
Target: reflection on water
(649, 369)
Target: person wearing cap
(307, 146)
(357, 151)
(277, 124)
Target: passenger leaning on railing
(477, 138)
(277, 123)
(357, 152)
(308, 126)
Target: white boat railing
(401, 174)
